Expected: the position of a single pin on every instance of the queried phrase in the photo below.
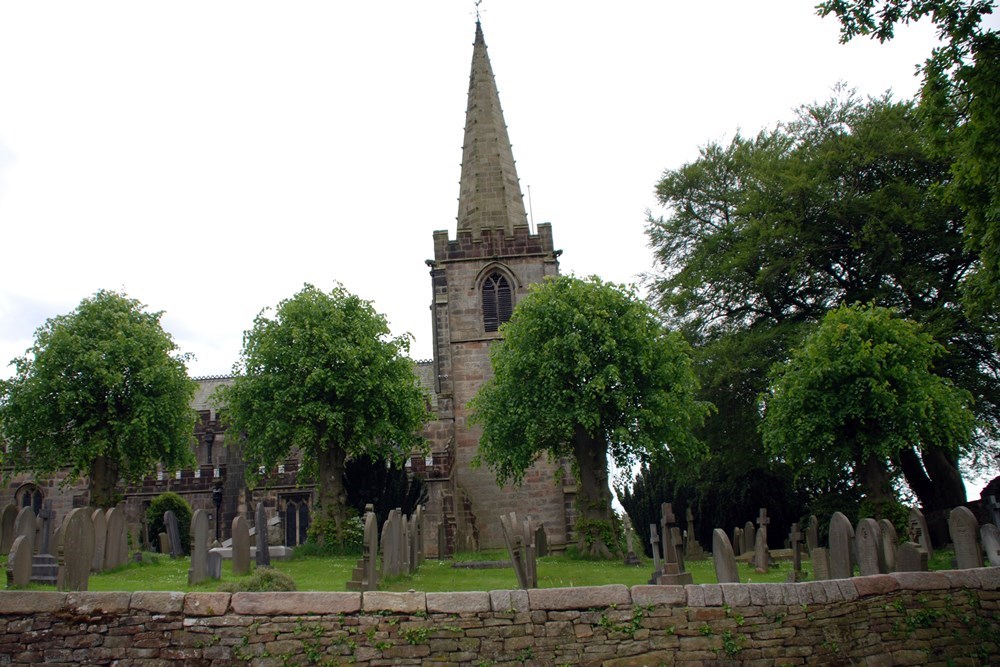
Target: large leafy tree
(768, 233)
(324, 377)
(102, 393)
(586, 370)
(860, 390)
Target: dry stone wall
(935, 618)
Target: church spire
(489, 193)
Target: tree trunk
(103, 481)
(934, 478)
(332, 495)
(595, 525)
(916, 478)
(876, 482)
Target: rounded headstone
(869, 548)
(964, 529)
(97, 518)
(724, 558)
(890, 542)
(241, 546)
(841, 547)
(77, 551)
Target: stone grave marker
(671, 571)
(77, 554)
(990, 535)
(630, 556)
(7, 518)
(723, 558)
(164, 543)
(199, 547)
(442, 541)
(678, 541)
(841, 547)
(100, 525)
(542, 540)
(44, 564)
(513, 536)
(24, 525)
(366, 574)
(749, 537)
(994, 507)
(654, 541)
(391, 559)
(19, 560)
(868, 545)
(418, 540)
(214, 565)
(917, 520)
(115, 544)
(761, 554)
(737, 540)
(795, 539)
(812, 533)
(820, 558)
(263, 551)
(241, 546)
(888, 541)
(693, 550)
(964, 529)
(406, 544)
(911, 557)
(173, 534)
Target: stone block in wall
(668, 596)
(458, 603)
(296, 603)
(583, 597)
(408, 603)
(206, 604)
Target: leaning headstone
(214, 565)
(513, 537)
(19, 560)
(990, 535)
(263, 551)
(671, 571)
(7, 518)
(812, 533)
(199, 548)
(77, 554)
(918, 522)
(723, 558)
(173, 534)
(115, 544)
(749, 537)
(888, 541)
(100, 524)
(841, 547)
(911, 557)
(820, 558)
(241, 546)
(869, 548)
(795, 539)
(964, 531)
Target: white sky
(211, 157)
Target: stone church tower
(477, 278)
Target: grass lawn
(315, 573)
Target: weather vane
(477, 3)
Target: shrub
(180, 507)
(263, 580)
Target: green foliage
(324, 377)
(262, 580)
(181, 509)
(322, 538)
(589, 354)
(862, 388)
(386, 487)
(103, 393)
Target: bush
(321, 540)
(263, 580)
(180, 507)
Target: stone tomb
(76, 557)
(964, 531)
(723, 558)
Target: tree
(860, 390)
(102, 393)
(585, 370)
(323, 377)
(768, 233)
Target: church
(476, 279)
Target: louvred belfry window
(497, 302)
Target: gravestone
(911, 557)
(199, 548)
(391, 558)
(518, 539)
(841, 547)
(173, 534)
(418, 536)
(723, 558)
(693, 550)
(263, 551)
(820, 558)
(964, 531)
(990, 535)
(749, 537)
(442, 541)
(115, 544)
(100, 524)
(917, 521)
(44, 565)
(795, 539)
(77, 553)
(678, 541)
(542, 541)
(654, 541)
(241, 546)
(737, 540)
(761, 555)
(630, 556)
(812, 533)
(671, 571)
(366, 574)
(19, 560)
(7, 518)
(24, 525)
(214, 565)
(994, 507)
(888, 541)
(406, 545)
(869, 548)
(164, 543)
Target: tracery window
(29, 495)
(497, 302)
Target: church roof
(490, 195)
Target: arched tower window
(29, 495)
(498, 303)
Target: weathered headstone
(761, 554)
(420, 532)
(749, 537)
(692, 549)
(919, 523)
(100, 524)
(737, 540)
(869, 547)
(654, 541)
(671, 571)
(115, 544)
(820, 558)
(77, 553)
(990, 535)
(391, 557)
(214, 565)
(263, 551)
(964, 529)
(164, 543)
(173, 534)
(19, 560)
(241, 546)
(24, 525)
(631, 558)
(542, 540)
(889, 542)
(911, 557)
(513, 535)
(199, 547)
(7, 518)
(841, 546)
(442, 535)
(723, 558)
(993, 505)
(795, 539)
(44, 564)
(812, 533)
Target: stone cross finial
(667, 510)
(763, 519)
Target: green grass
(316, 573)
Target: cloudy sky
(208, 158)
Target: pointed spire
(489, 193)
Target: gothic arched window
(497, 302)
